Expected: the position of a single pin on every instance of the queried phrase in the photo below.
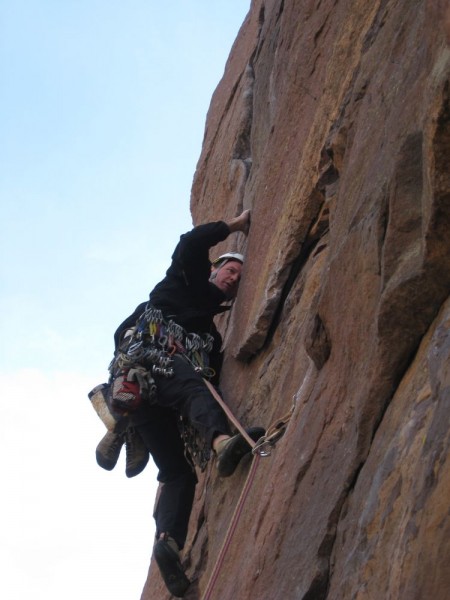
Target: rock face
(332, 124)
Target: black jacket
(186, 295)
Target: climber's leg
(174, 504)
(187, 392)
(178, 479)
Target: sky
(102, 113)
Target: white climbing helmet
(224, 258)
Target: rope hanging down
(263, 447)
(231, 529)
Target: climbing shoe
(108, 450)
(231, 451)
(137, 454)
(168, 561)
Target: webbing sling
(229, 414)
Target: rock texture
(332, 123)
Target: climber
(182, 423)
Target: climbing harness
(148, 349)
(153, 342)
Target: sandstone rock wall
(332, 123)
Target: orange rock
(332, 123)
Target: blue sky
(102, 113)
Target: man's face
(227, 278)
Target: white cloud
(72, 530)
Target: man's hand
(240, 223)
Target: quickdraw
(153, 342)
(264, 445)
(196, 450)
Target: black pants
(185, 394)
(162, 438)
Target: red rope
(231, 529)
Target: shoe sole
(171, 570)
(236, 450)
(133, 471)
(106, 463)
(107, 452)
